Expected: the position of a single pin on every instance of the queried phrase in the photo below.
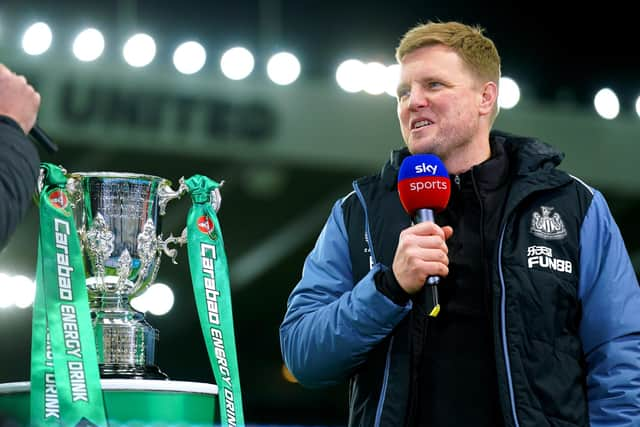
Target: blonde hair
(475, 49)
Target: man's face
(438, 101)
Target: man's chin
(420, 147)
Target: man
(19, 160)
(539, 326)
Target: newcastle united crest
(547, 225)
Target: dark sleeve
(19, 169)
(387, 284)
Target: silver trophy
(118, 218)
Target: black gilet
(455, 381)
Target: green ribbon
(210, 277)
(65, 379)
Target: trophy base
(110, 371)
(126, 343)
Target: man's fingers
(448, 231)
(427, 228)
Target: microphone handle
(430, 289)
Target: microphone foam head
(423, 183)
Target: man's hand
(422, 252)
(18, 99)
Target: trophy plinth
(117, 216)
(125, 342)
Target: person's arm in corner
(610, 326)
(19, 160)
(332, 323)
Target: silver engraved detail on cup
(99, 243)
(124, 285)
(148, 250)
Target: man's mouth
(420, 124)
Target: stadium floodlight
(161, 299)
(189, 57)
(158, 299)
(283, 68)
(88, 45)
(37, 39)
(606, 104)
(509, 94)
(24, 291)
(392, 80)
(375, 78)
(237, 63)
(139, 50)
(349, 75)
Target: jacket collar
(527, 155)
(524, 156)
(491, 173)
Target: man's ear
(489, 97)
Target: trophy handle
(74, 189)
(173, 252)
(216, 198)
(40, 185)
(42, 175)
(166, 194)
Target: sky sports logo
(426, 169)
(439, 184)
(424, 176)
(422, 166)
(423, 183)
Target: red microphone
(424, 187)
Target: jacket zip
(385, 381)
(486, 293)
(503, 328)
(372, 254)
(372, 257)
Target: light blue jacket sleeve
(610, 326)
(331, 322)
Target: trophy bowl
(118, 218)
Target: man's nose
(417, 98)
